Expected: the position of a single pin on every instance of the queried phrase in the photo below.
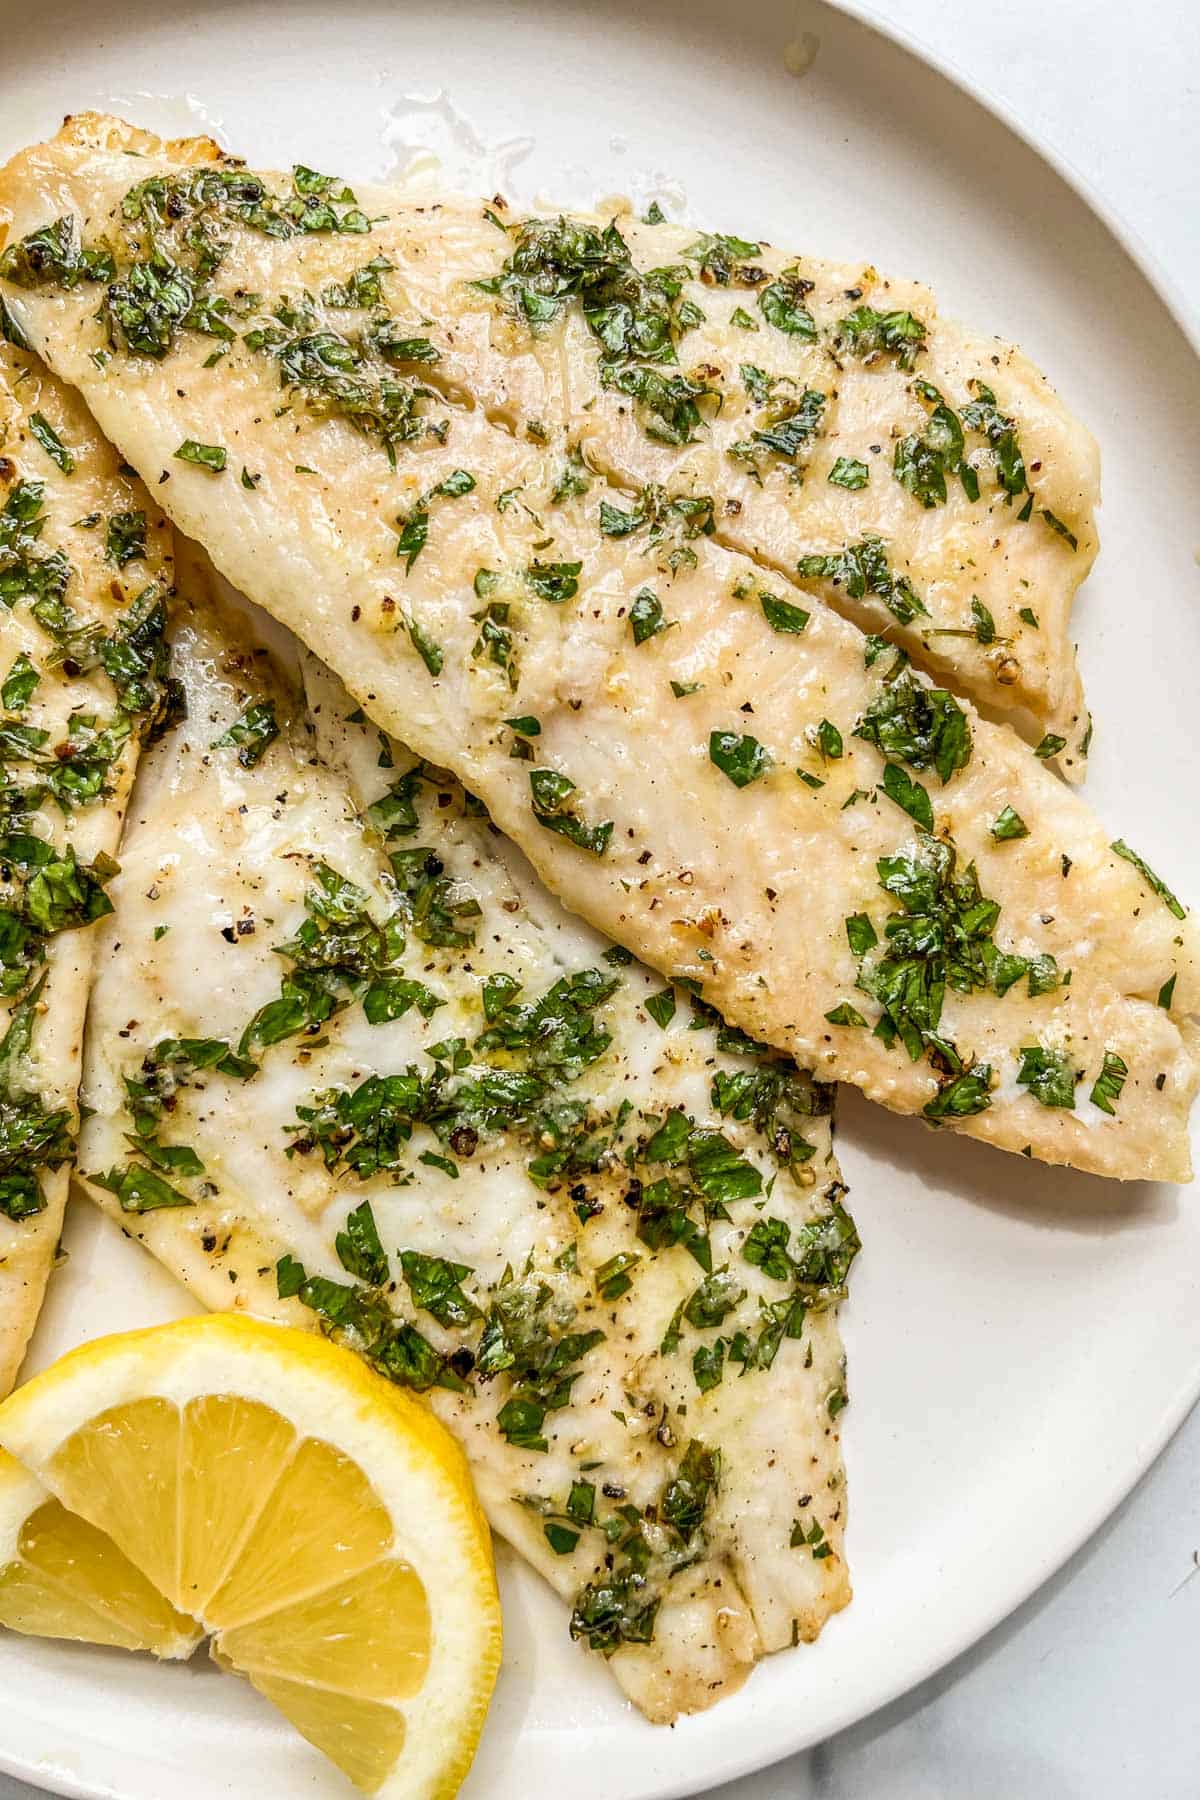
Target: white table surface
(1089, 1692)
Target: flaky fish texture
(352, 1066)
(85, 575)
(923, 480)
(716, 770)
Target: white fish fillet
(84, 571)
(491, 577)
(990, 579)
(216, 861)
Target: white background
(1090, 1691)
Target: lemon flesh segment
(321, 1522)
(230, 1457)
(368, 1637)
(363, 1737)
(68, 1580)
(120, 1471)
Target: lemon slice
(317, 1523)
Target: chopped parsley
(358, 1247)
(922, 726)
(720, 1172)
(739, 756)
(48, 890)
(436, 1287)
(815, 1259)
(673, 519)
(782, 615)
(34, 1135)
(941, 937)
(363, 289)
(10, 331)
(20, 684)
(361, 1317)
(791, 426)
(341, 953)
(1008, 825)
(719, 255)
(1056, 525)
(551, 791)
(1154, 882)
(620, 1605)
(661, 1007)
(1048, 1075)
(845, 1014)
(636, 319)
(962, 1096)
(141, 1190)
(54, 257)
(556, 582)
(921, 464)
(870, 335)
(24, 574)
(863, 569)
(1108, 1084)
(646, 616)
(527, 1336)
(909, 795)
(125, 537)
(572, 483)
(984, 416)
(41, 429)
(829, 740)
(782, 304)
(613, 1278)
(848, 472)
(426, 647)
(356, 376)
(252, 734)
(212, 457)
(811, 1537)
(985, 624)
(414, 534)
(860, 934)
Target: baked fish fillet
(925, 481)
(351, 1065)
(85, 572)
(750, 794)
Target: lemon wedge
(229, 1478)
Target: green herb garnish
(252, 734)
(739, 756)
(1048, 1075)
(1154, 882)
(205, 456)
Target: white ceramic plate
(1021, 1341)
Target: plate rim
(1148, 263)
(733, 1766)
